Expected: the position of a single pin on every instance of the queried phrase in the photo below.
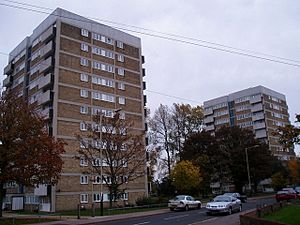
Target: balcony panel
(9, 69)
(45, 64)
(45, 97)
(47, 49)
(257, 126)
(44, 81)
(208, 112)
(260, 134)
(47, 34)
(255, 99)
(257, 107)
(208, 119)
(7, 82)
(210, 128)
(259, 116)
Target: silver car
(224, 204)
(184, 202)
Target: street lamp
(247, 162)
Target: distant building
(72, 68)
(259, 109)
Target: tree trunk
(2, 195)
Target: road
(192, 217)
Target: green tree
(28, 155)
(186, 177)
(278, 181)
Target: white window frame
(84, 77)
(84, 32)
(84, 47)
(83, 126)
(122, 101)
(84, 93)
(84, 62)
(120, 44)
(84, 179)
(121, 71)
(121, 86)
(97, 179)
(97, 197)
(121, 58)
(84, 198)
(83, 161)
(84, 109)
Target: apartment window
(121, 86)
(97, 197)
(84, 62)
(120, 44)
(124, 179)
(108, 98)
(96, 95)
(109, 68)
(83, 161)
(121, 71)
(124, 196)
(83, 198)
(84, 77)
(84, 179)
(84, 110)
(121, 58)
(84, 93)
(84, 33)
(97, 180)
(97, 65)
(97, 162)
(122, 115)
(109, 54)
(83, 126)
(84, 47)
(122, 100)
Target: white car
(224, 204)
(184, 202)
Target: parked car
(184, 202)
(224, 204)
(285, 195)
(239, 196)
(297, 189)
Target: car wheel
(230, 211)
(171, 209)
(186, 208)
(240, 208)
(199, 206)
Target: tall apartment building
(72, 68)
(259, 109)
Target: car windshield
(222, 199)
(228, 194)
(282, 192)
(180, 197)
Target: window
(83, 161)
(121, 100)
(84, 62)
(102, 38)
(84, 33)
(84, 47)
(84, 110)
(96, 95)
(97, 180)
(83, 198)
(84, 179)
(97, 162)
(108, 98)
(121, 86)
(97, 197)
(109, 68)
(121, 71)
(120, 44)
(84, 93)
(84, 77)
(124, 196)
(84, 143)
(97, 65)
(121, 58)
(83, 126)
(124, 179)
(122, 115)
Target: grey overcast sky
(188, 71)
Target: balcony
(257, 107)
(258, 116)
(47, 49)
(45, 97)
(47, 35)
(9, 69)
(7, 82)
(144, 85)
(255, 99)
(208, 119)
(44, 81)
(45, 65)
(145, 99)
(208, 111)
(258, 126)
(144, 72)
(143, 59)
(260, 134)
(209, 128)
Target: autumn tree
(28, 155)
(278, 181)
(294, 168)
(186, 177)
(114, 152)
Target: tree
(28, 155)
(289, 134)
(294, 167)
(278, 181)
(115, 153)
(186, 177)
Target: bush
(149, 200)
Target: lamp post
(247, 163)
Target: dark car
(285, 195)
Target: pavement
(72, 220)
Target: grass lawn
(289, 215)
(19, 221)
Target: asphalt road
(191, 217)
